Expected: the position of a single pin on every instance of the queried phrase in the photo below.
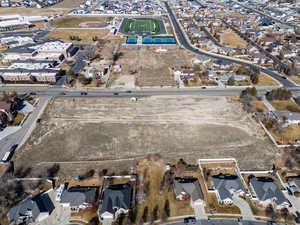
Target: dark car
(62, 93)
(203, 87)
(128, 91)
(297, 220)
(283, 77)
(116, 93)
(83, 93)
(298, 214)
(32, 93)
(189, 220)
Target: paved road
(13, 141)
(185, 43)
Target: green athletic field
(140, 25)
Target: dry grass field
(83, 134)
(231, 39)
(34, 11)
(265, 80)
(70, 4)
(285, 105)
(75, 21)
(288, 135)
(86, 35)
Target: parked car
(189, 220)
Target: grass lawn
(86, 36)
(75, 21)
(288, 135)
(285, 105)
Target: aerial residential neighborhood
(140, 112)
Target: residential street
(13, 141)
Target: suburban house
(287, 117)
(225, 185)
(78, 197)
(294, 184)
(266, 191)
(188, 188)
(116, 199)
(32, 209)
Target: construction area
(92, 133)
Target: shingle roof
(77, 196)
(37, 204)
(226, 183)
(188, 185)
(116, 196)
(265, 188)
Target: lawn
(285, 105)
(86, 36)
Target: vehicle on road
(83, 93)
(203, 87)
(190, 220)
(32, 93)
(62, 93)
(115, 93)
(297, 220)
(129, 91)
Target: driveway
(244, 207)
(199, 211)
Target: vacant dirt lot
(231, 39)
(115, 132)
(151, 68)
(68, 4)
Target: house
(116, 200)
(294, 184)
(187, 188)
(78, 197)
(225, 185)
(35, 208)
(287, 117)
(266, 191)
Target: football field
(140, 25)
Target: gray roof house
(266, 190)
(34, 208)
(116, 200)
(225, 185)
(288, 117)
(294, 184)
(187, 188)
(78, 197)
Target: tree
(166, 211)
(154, 213)
(271, 212)
(254, 78)
(249, 92)
(231, 81)
(145, 214)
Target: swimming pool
(131, 40)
